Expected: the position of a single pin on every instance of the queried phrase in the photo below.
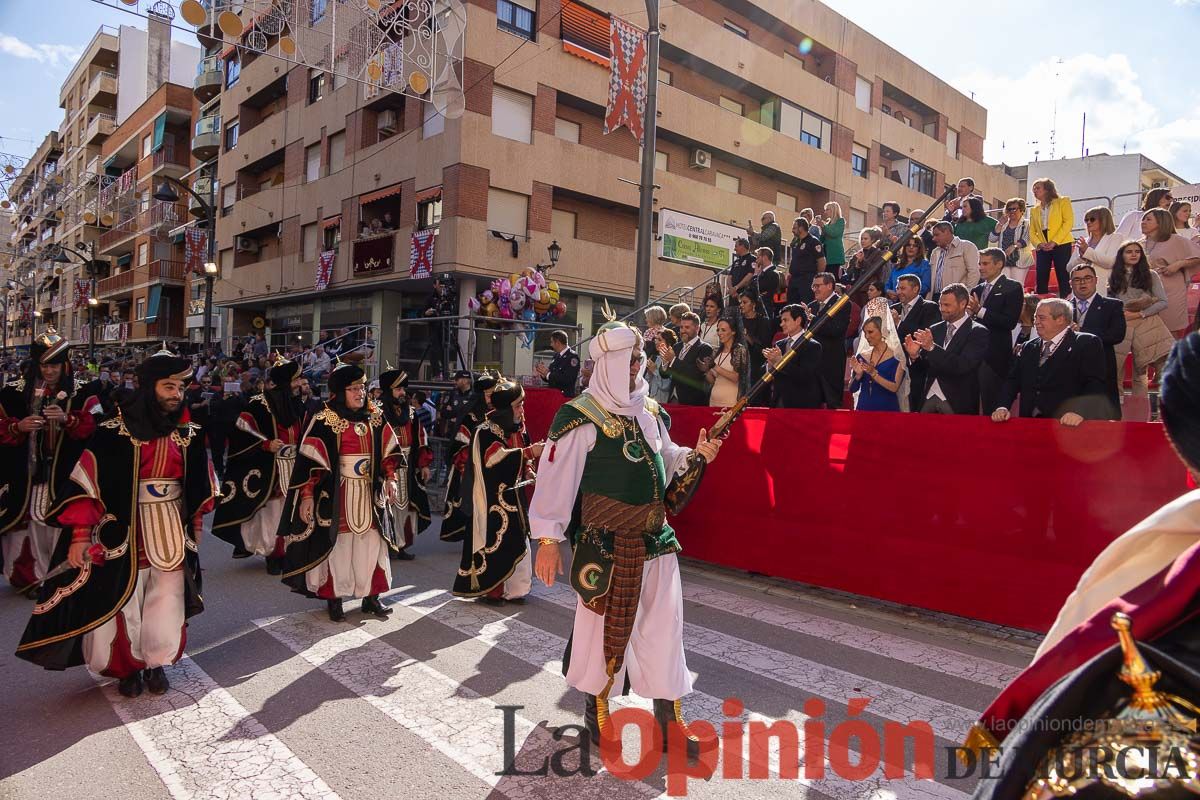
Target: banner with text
(1188, 193)
(695, 240)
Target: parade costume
(455, 522)
(138, 493)
(256, 480)
(33, 464)
(495, 561)
(603, 480)
(1143, 681)
(411, 510)
(345, 457)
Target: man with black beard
(333, 545)
(44, 422)
(262, 452)
(134, 570)
(413, 473)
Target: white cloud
(54, 55)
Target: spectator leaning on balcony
(770, 236)
(975, 226)
(1059, 374)
(1050, 221)
(952, 260)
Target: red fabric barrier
(995, 522)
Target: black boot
(335, 610)
(274, 565)
(372, 606)
(241, 552)
(590, 719)
(156, 681)
(404, 555)
(131, 686)
(668, 716)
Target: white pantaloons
(147, 631)
(42, 540)
(654, 658)
(352, 564)
(521, 581)
(258, 532)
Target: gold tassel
(474, 575)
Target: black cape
(53, 637)
(455, 521)
(249, 475)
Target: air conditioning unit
(701, 159)
(386, 121)
(245, 244)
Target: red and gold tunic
(356, 481)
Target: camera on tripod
(446, 292)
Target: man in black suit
(686, 364)
(916, 313)
(798, 384)
(954, 348)
(996, 302)
(1104, 318)
(1058, 374)
(563, 372)
(832, 338)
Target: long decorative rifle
(680, 490)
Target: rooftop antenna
(1054, 119)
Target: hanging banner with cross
(420, 262)
(195, 248)
(627, 80)
(324, 269)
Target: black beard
(396, 412)
(146, 419)
(285, 406)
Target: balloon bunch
(526, 295)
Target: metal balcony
(210, 77)
(207, 141)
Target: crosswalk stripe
(922, 654)
(203, 743)
(949, 721)
(449, 716)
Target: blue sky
(1128, 64)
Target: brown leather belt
(622, 518)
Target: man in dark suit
(1059, 374)
(916, 313)
(686, 364)
(798, 384)
(953, 349)
(563, 371)
(1104, 318)
(996, 303)
(832, 338)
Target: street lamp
(92, 302)
(555, 252)
(167, 194)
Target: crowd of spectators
(999, 314)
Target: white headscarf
(878, 307)
(609, 385)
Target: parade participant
(262, 453)
(334, 547)
(413, 472)
(45, 419)
(1144, 585)
(454, 519)
(134, 504)
(495, 564)
(610, 451)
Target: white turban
(611, 350)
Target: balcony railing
(160, 215)
(154, 272)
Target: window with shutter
(512, 114)
(508, 212)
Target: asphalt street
(272, 700)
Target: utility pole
(645, 238)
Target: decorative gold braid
(336, 423)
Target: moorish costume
(33, 464)
(455, 521)
(1144, 691)
(411, 504)
(603, 480)
(495, 563)
(346, 456)
(139, 492)
(256, 480)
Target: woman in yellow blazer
(1050, 221)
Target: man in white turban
(610, 453)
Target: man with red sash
(262, 453)
(44, 421)
(134, 503)
(333, 544)
(411, 503)
(1145, 585)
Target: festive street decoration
(420, 261)
(527, 296)
(195, 248)
(627, 81)
(324, 269)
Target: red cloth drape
(990, 521)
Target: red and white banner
(195, 248)
(627, 80)
(420, 262)
(83, 290)
(324, 269)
